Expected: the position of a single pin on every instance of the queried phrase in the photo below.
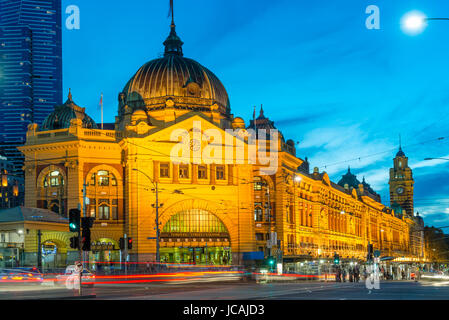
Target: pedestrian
(344, 274)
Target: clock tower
(401, 184)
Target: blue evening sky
(343, 91)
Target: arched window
(194, 221)
(53, 179)
(258, 184)
(103, 195)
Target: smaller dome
(139, 113)
(63, 115)
(349, 179)
(238, 123)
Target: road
(309, 290)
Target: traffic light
(336, 259)
(87, 223)
(130, 243)
(122, 244)
(74, 220)
(86, 241)
(271, 261)
(370, 252)
(74, 243)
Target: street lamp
(157, 206)
(415, 22)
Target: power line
(383, 152)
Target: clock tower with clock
(401, 183)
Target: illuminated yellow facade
(216, 211)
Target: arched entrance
(54, 254)
(105, 252)
(195, 236)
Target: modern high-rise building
(30, 69)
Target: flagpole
(102, 111)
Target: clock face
(195, 145)
(400, 190)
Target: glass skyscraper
(30, 69)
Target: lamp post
(156, 185)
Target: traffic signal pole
(79, 235)
(158, 256)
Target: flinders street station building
(236, 209)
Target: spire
(400, 152)
(69, 97)
(173, 44)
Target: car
(434, 275)
(21, 275)
(88, 278)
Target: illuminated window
(202, 172)
(258, 183)
(184, 171)
(220, 171)
(103, 212)
(103, 178)
(194, 221)
(93, 179)
(258, 212)
(53, 179)
(164, 170)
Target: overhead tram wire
(383, 152)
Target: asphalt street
(406, 290)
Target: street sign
(377, 253)
(78, 267)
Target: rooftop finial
(173, 44)
(70, 94)
(172, 13)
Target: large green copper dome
(61, 117)
(186, 82)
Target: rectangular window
(258, 214)
(184, 171)
(92, 211)
(202, 172)
(103, 178)
(114, 212)
(103, 212)
(164, 169)
(220, 171)
(259, 236)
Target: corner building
(210, 213)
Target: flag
(100, 105)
